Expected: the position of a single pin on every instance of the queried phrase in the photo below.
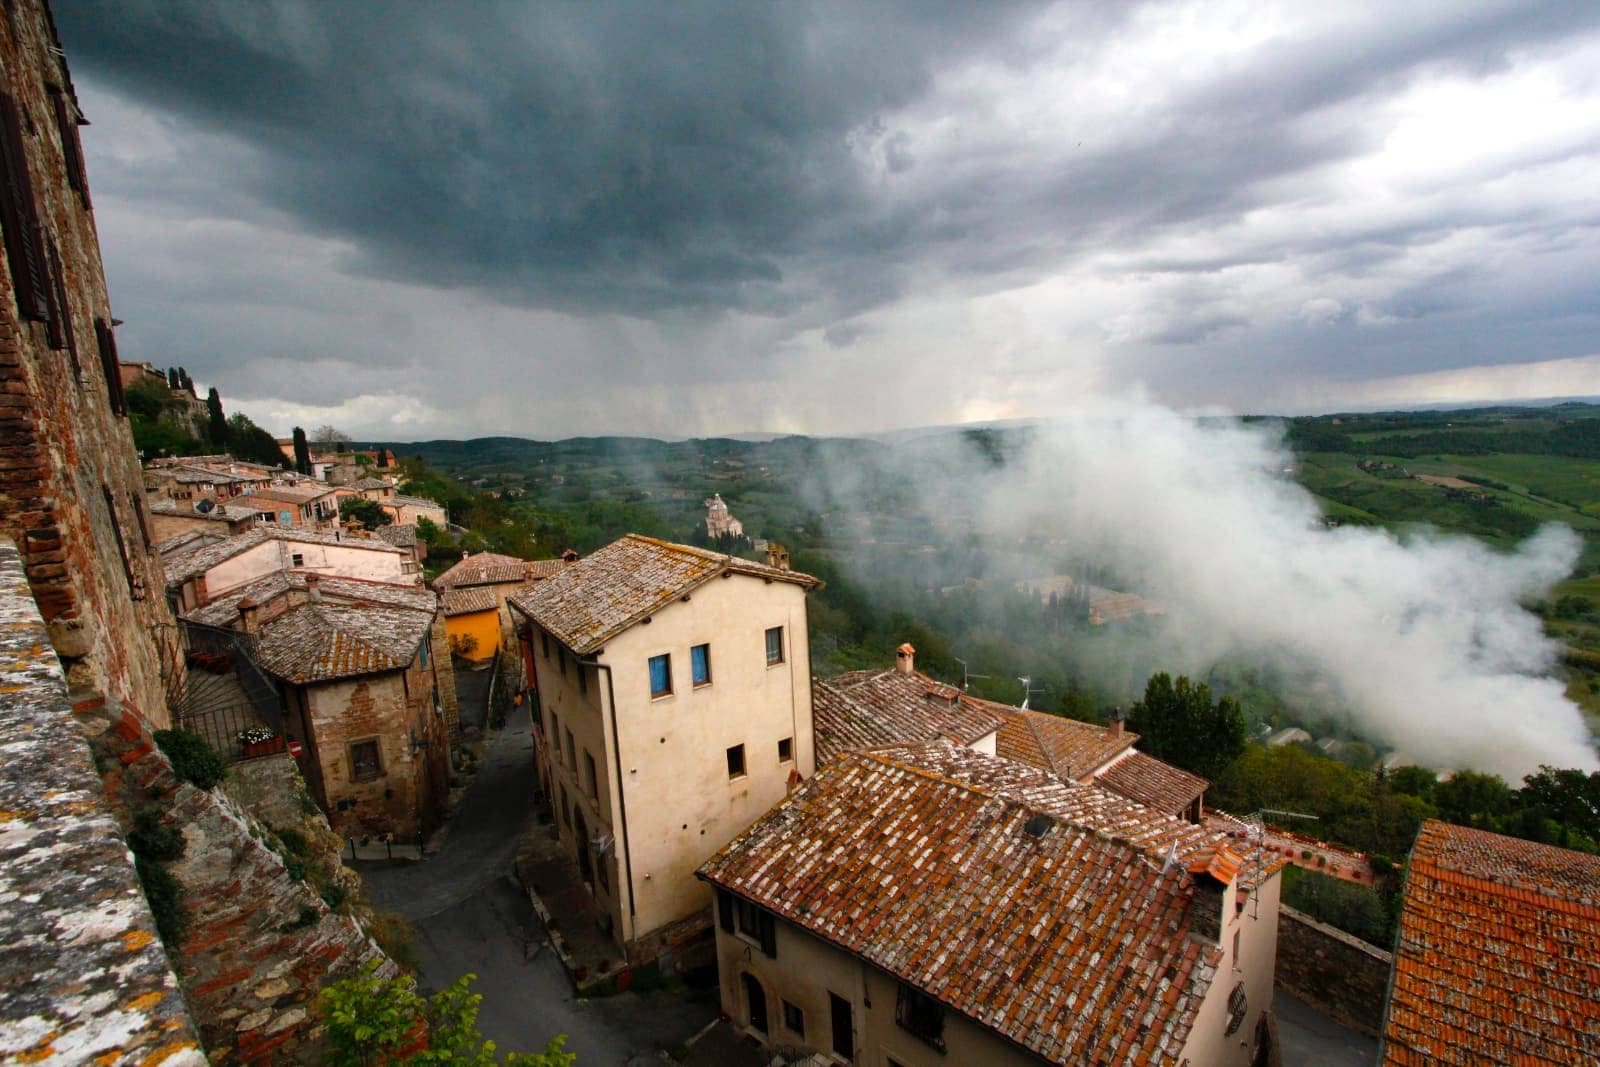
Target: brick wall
(71, 493)
(1339, 975)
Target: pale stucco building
(672, 707)
(215, 568)
(929, 904)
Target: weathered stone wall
(71, 493)
(261, 943)
(447, 682)
(85, 977)
(1331, 970)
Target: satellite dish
(205, 507)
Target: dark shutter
(144, 531)
(107, 340)
(135, 586)
(20, 217)
(769, 933)
(61, 335)
(71, 146)
(725, 910)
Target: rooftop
(350, 591)
(290, 494)
(1068, 941)
(192, 565)
(219, 513)
(868, 709)
(401, 536)
(1065, 747)
(484, 568)
(1497, 960)
(606, 592)
(414, 501)
(468, 600)
(325, 642)
(1153, 783)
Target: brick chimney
(905, 659)
(313, 589)
(249, 611)
(777, 556)
(1118, 719)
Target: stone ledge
(84, 974)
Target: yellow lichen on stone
(134, 940)
(145, 1003)
(42, 1051)
(166, 1052)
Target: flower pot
(270, 747)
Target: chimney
(1117, 721)
(248, 610)
(777, 556)
(905, 659)
(313, 592)
(569, 556)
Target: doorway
(756, 998)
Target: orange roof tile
(606, 592)
(1064, 747)
(325, 642)
(1153, 783)
(1498, 958)
(484, 568)
(866, 709)
(1065, 939)
(468, 601)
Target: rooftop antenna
(966, 679)
(1028, 692)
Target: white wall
(343, 561)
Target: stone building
(212, 569)
(481, 582)
(71, 493)
(171, 517)
(720, 521)
(928, 904)
(409, 510)
(672, 706)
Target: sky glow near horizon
(553, 221)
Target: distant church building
(719, 521)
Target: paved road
(1313, 1040)
(472, 696)
(470, 916)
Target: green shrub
(150, 840)
(165, 895)
(192, 759)
(393, 935)
(334, 895)
(294, 841)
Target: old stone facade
(1336, 973)
(71, 493)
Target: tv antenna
(1256, 827)
(966, 679)
(1028, 691)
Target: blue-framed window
(700, 664)
(660, 675)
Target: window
(583, 678)
(755, 925)
(135, 583)
(555, 731)
(700, 665)
(572, 753)
(843, 1023)
(921, 1014)
(786, 750)
(588, 772)
(749, 918)
(364, 762)
(774, 646)
(794, 1020)
(71, 146)
(1236, 934)
(106, 341)
(736, 761)
(19, 218)
(544, 643)
(561, 661)
(660, 675)
(422, 654)
(298, 559)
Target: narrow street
(470, 916)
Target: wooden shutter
(135, 585)
(107, 341)
(60, 326)
(725, 910)
(71, 146)
(769, 933)
(144, 527)
(20, 217)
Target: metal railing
(228, 692)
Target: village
(244, 729)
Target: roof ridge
(1049, 757)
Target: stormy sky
(420, 220)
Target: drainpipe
(622, 804)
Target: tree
(1179, 722)
(1571, 798)
(367, 512)
(250, 442)
(302, 452)
(172, 378)
(216, 421)
(428, 532)
(374, 1021)
(184, 381)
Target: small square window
(365, 763)
(736, 761)
(786, 750)
(660, 675)
(774, 645)
(748, 917)
(794, 1020)
(700, 664)
(297, 559)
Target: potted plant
(260, 741)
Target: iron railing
(228, 692)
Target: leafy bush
(165, 895)
(393, 935)
(1355, 909)
(151, 840)
(192, 759)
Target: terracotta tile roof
(371, 483)
(230, 512)
(291, 494)
(187, 541)
(224, 611)
(325, 642)
(596, 598)
(401, 536)
(194, 564)
(1499, 953)
(539, 569)
(1069, 942)
(484, 568)
(1153, 783)
(868, 709)
(400, 500)
(468, 600)
(1065, 747)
